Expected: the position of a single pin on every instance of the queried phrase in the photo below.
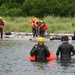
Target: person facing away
(66, 50)
(1, 27)
(40, 51)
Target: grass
(56, 24)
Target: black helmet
(64, 38)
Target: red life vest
(2, 26)
(46, 27)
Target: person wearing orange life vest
(2, 23)
(34, 24)
(41, 28)
(40, 51)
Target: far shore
(29, 36)
(55, 24)
(47, 34)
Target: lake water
(14, 59)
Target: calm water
(14, 54)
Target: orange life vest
(3, 26)
(51, 57)
(33, 23)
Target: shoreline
(46, 34)
(28, 36)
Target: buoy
(51, 57)
(31, 58)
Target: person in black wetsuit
(66, 50)
(34, 24)
(1, 29)
(40, 51)
(41, 25)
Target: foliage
(39, 8)
(56, 24)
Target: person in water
(66, 50)
(40, 51)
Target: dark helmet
(64, 38)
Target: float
(51, 57)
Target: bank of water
(14, 59)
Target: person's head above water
(64, 38)
(40, 40)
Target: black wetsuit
(41, 31)
(35, 31)
(1, 29)
(65, 50)
(41, 52)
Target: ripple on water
(14, 60)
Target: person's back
(65, 49)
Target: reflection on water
(67, 67)
(43, 65)
(14, 60)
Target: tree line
(38, 8)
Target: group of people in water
(38, 27)
(41, 51)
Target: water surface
(14, 59)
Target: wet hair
(64, 38)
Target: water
(14, 60)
